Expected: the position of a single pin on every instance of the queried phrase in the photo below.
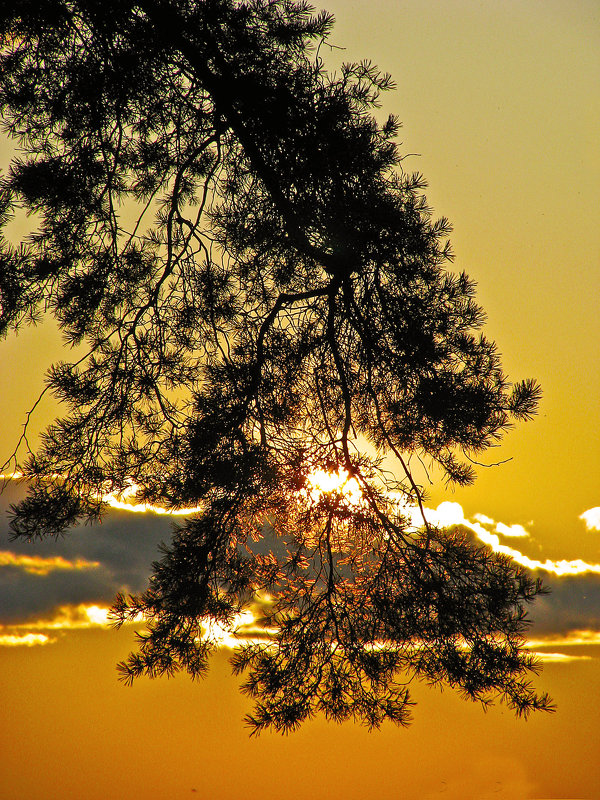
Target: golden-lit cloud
(591, 517)
(483, 519)
(448, 513)
(126, 501)
(559, 658)
(245, 627)
(63, 618)
(243, 630)
(38, 565)
(574, 638)
(511, 530)
(24, 640)
(320, 482)
(68, 617)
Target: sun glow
(245, 628)
(230, 636)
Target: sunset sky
(500, 104)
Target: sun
(321, 482)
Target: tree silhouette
(260, 292)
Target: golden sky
(500, 99)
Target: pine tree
(259, 291)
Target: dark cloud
(573, 604)
(125, 545)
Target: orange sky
(501, 101)
(70, 731)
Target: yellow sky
(501, 100)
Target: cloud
(511, 530)
(574, 638)
(38, 565)
(126, 501)
(68, 617)
(591, 517)
(448, 514)
(559, 658)
(62, 619)
(500, 527)
(244, 628)
(24, 640)
(121, 549)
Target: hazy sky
(500, 99)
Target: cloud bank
(50, 587)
